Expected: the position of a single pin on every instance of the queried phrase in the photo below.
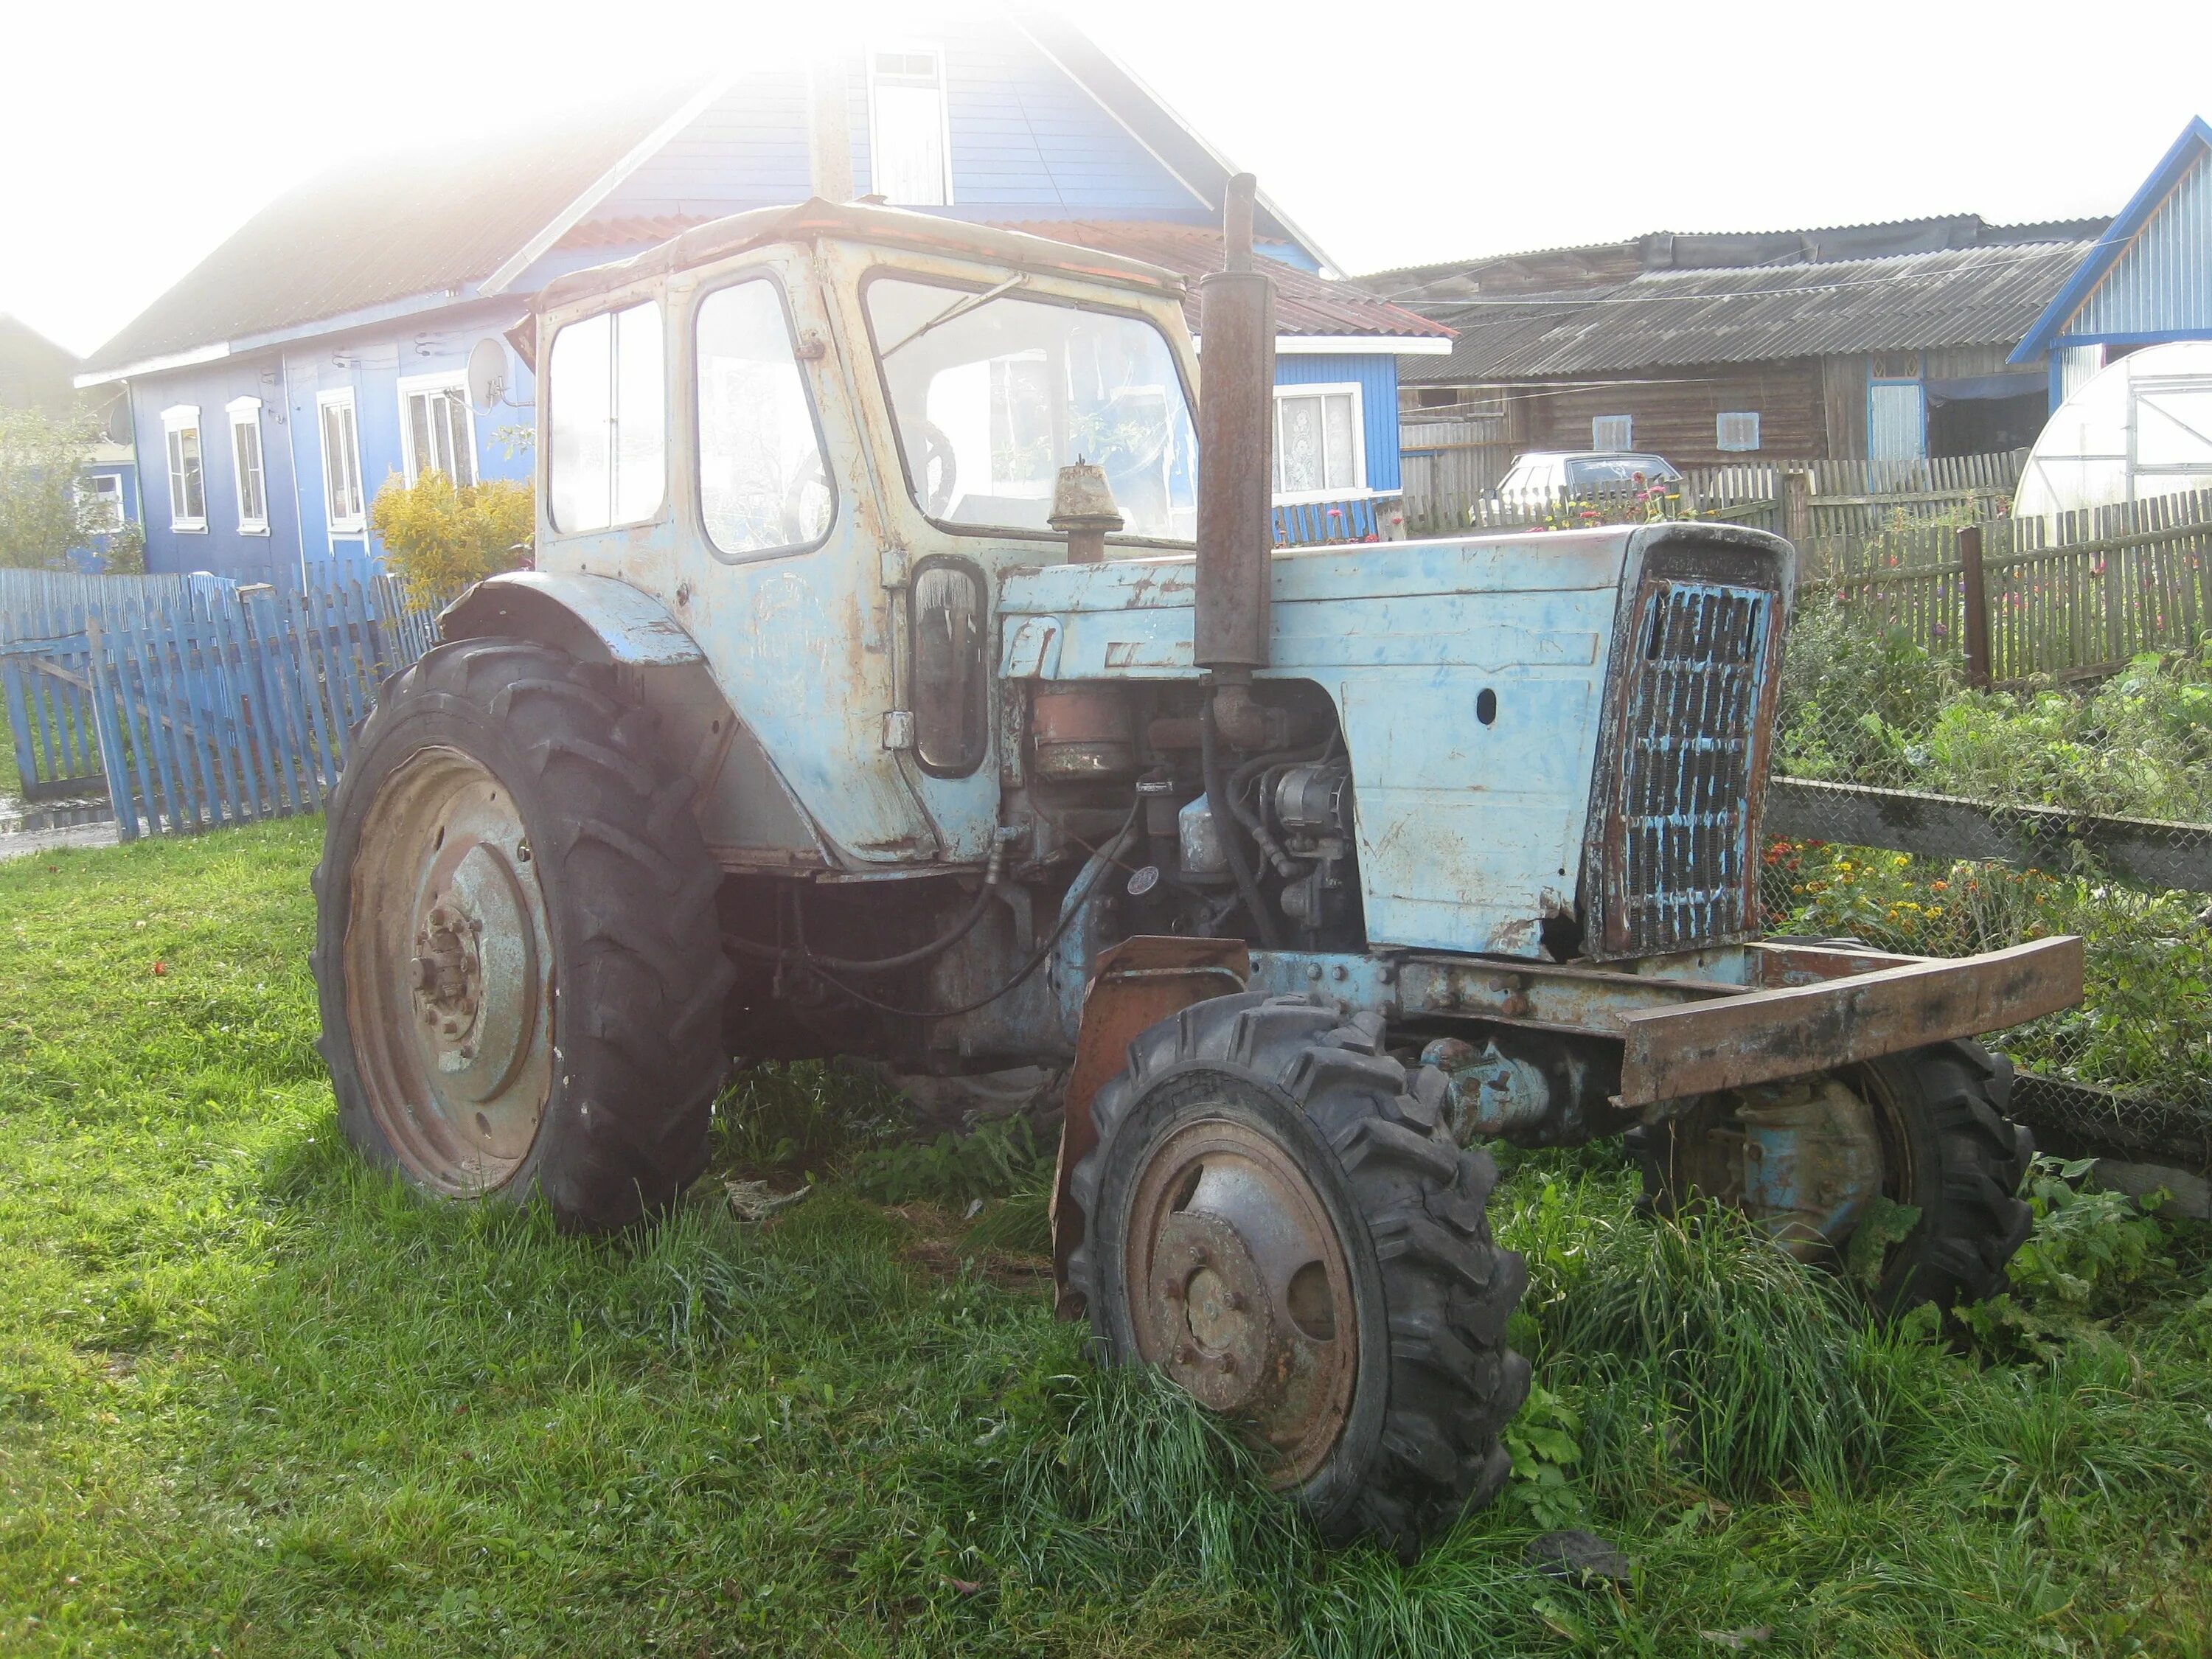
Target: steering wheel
(800, 526)
(936, 469)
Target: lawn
(254, 1401)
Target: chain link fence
(1913, 814)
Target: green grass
(254, 1401)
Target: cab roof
(817, 220)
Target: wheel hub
(448, 972)
(1241, 1292)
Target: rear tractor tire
(516, 957)
(1278, 1218)
(1939, 1142)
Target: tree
(43, 459)
(440, 538)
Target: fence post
(1977, 605)
(1797, 507)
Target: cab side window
(762, 485)
(607, 426)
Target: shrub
(1857, 703)
(440, 538)
(42, 458)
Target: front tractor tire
(516, 957)
(1942, 1147)
(1278, 1218)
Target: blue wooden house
(2147, 281)
(322, 349)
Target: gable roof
(2186, 152)
(1972, 295)
(384, 230)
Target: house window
(245, 457)
(100, 502)
(1319, 443)
(908, 142)
(1737, 429)
(435, 430)
(342, 499)
(1612, 433)
(608, 422)
(181, 426)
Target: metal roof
(718, 238)
(1678, 319)
(1305, 305)
(386, 230)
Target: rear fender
(593, 618)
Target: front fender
(593, 618)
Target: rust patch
(1137, 984)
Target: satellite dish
(487, 376)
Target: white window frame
(106, 488)
(1627, 443)
(183, 418)
(1357, 490)
(246, 416)
(415, 386)
(908, 49)
(1720, 431)
(355, 523)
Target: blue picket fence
(209, 704)
(226, 708)
(45, 668)
(1315, 524)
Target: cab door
(781, 569)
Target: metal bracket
(1135, 985)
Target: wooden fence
(214, 704)
(1452, 470)
(45, 669)
(2074, 595)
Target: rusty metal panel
(1673, 1053)
(1137, 984)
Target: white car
(1567, 474)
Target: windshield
(994, 391)
(1618, 469)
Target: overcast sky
(136, 136)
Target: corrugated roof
(386, 230)
(1678, 319)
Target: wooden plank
(2148, 851)
(113, 747)
(141, 739)
(1670, 1054)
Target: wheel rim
(449, 974)
(1241, 1292)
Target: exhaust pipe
(1236, 437)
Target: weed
(254, 1397)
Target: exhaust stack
(1236, 431)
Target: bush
(1857, 703)
(439, 539)
(42, 458)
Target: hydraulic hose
(1069, 910)
(959, 930)
(1227, 826)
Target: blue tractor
(908, 673)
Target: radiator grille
(1685, 768)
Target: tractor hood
(1482, 687)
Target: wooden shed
(1884, 340)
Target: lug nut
(1187, 1355)
(1226, 1363)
